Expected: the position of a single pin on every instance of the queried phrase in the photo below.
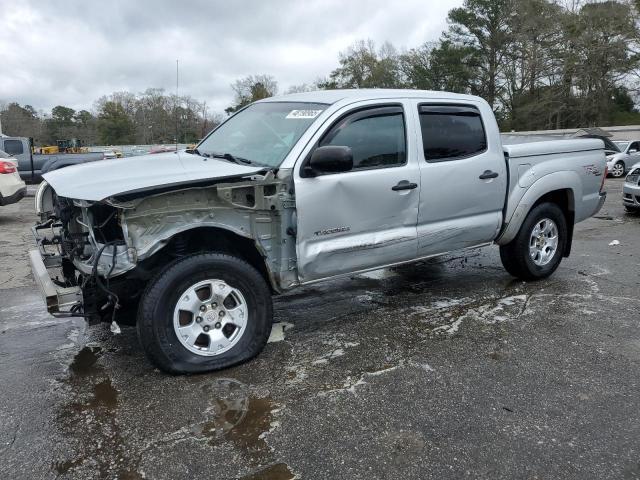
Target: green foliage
(541, 64)
(362, 66)
(114, 125)
(20, 120)
(481, 27)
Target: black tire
(515, 255)
(632, 210)
(623, 170)
(155, 314)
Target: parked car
(12, 188)
(629, 147)
(298, 189)
(31, 166)
(631, 190)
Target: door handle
(488, 174)
(404, 185)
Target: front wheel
(617, 170)
(537, 250)
(205, 312)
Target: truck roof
(333, 96)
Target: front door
(634, 151)
(366, 217)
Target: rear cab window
(13, 147)
(451, 132)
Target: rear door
(364, 218)
(463, 176)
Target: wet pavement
(444, 369)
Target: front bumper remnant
(60, 301)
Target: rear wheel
(537, 250)
(205, 312)
(617, 170)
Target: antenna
(176, 104)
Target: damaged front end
(95, 257)
(81, 248)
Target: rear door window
(451, 132)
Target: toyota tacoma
(298, 189)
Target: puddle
(84, 363)
(248, 434)
(242, 419)
(63, 467)
(100, 448)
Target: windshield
(622, 145)
(4, 154)
(263, 133)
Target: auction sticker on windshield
(304, 114)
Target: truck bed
(539, 164)
(517, 146)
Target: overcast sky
(67, 52)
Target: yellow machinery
(73, 145)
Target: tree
(603, 46)
(304, 87)
(114, 125)
(21, 121)
(533, 96)
(60, 125)
(416, 67)
(251, 89)
(454, 67)
(362, 66)
(482, 27)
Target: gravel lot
(444, 369)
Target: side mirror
(633, 150)
(330, 159)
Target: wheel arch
(216, 239)
(561, 188)
(565, 199)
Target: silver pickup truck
(293, 190)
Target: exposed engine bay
(104, 252)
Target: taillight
(7, 167)
(604, 176)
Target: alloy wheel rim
(210, 317)
(543, 242)
(617, 170)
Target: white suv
(12, 188)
